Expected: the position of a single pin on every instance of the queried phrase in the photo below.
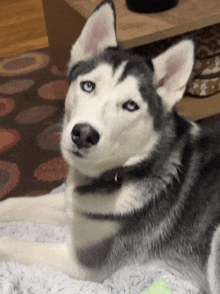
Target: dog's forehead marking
(109, 79)
(100, 72)
(119, 71)
(108, 82)
(105, 70)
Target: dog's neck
(119, 174)
(113, 177)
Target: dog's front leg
(47, 209)
(57, 256)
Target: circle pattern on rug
(30, 125)
(8, 138)
(6, 106)
(36, 193)
(54, 90)
(35, 114)
(16, 86)
(53, 170)
(9, 177)
(55, 71)
(23, 63)
(50, 138)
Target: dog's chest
(91, 214)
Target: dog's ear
(172, 70)
(97, 35)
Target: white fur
(48, 209)
(172, 71)
(195, 130)
(97, 35)
(119, 130)
(213, 266)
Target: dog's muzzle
(84, 136)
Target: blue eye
(130, 106)
(87, 86)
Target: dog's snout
(84, 136)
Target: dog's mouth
(77, 154)
(81, 153)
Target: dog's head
(116, 102)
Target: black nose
(84, 136)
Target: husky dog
(143, 182)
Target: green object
(158, 287)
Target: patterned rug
(32, 93)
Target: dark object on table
(150, 6)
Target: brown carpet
(32, 93)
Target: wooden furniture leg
(64, 25)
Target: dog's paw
(7, 208)
(4, 249)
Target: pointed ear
(98, 34)
(172, 70)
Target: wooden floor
(22, 26)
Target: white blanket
(20, 279)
